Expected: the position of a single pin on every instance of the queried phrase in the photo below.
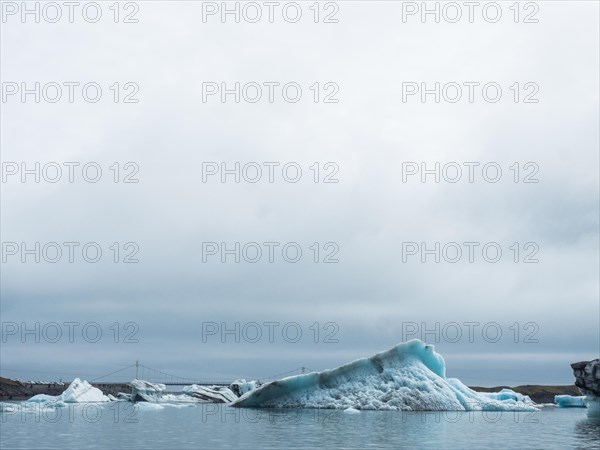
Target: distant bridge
(142, 372)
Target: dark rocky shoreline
(537, 393)
(587, 377)
(15, 390)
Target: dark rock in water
(587, 379)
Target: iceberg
(507, 394)
(83, 392)
(212, 394)
(409, 377)
(179, 398)
(78, 392)
(240, 387)
(144, 391)
(570, 401)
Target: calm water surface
(120, 426)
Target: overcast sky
(372, 295)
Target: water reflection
(213, 426)
(587, 432)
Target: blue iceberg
(570, 401)
(409, 377)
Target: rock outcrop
(587, 379)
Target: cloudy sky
(522, 319)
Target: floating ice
(83, 392)
(240, 387)
(144, 391)
(147, 406)
(78, 392)
(30, 407)
(351, 411)
(180, 398)
(43, 398)
(409, 377)
(570, 401)
(507, 394)
(213, 394)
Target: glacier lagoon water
(212, 426)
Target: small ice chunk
(43, 398)
(570, 401)
(508, 394)
(147, 406)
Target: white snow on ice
(78, 392)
